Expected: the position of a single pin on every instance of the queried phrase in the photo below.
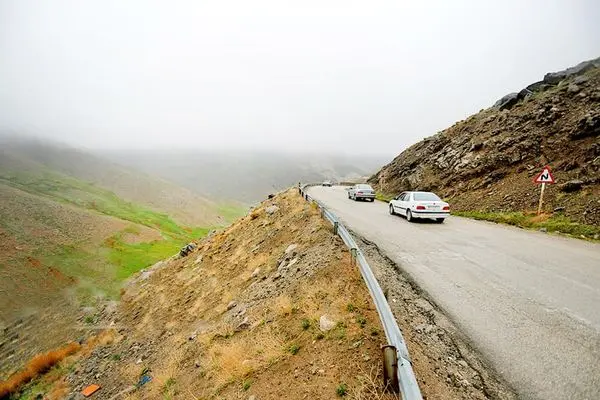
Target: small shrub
(247, 383)
(374, 332)
(294, 348)
(351, 307)
(89, 319)
(362, 321)
(305, 324)
(342, 390)
(319, 336)
(116, 357)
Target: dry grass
(35, 367)
(370, 387)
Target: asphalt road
(528, 301)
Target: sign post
(544, 177)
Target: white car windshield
(364, 187)
(424, 196)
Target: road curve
(528, 301)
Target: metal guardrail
(406, 377)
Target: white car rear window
(425, 197)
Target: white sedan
(415, 205)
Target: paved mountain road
(528, 301)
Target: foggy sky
(361, 76)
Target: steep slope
(246, 176)
(270, 308)
(66, 246)
(487, 162)
(36, 157)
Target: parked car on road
(361, 191)
(415, 205)
(327, 183)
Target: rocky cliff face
(488, 161)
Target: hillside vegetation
(67, 246)
(486, 164)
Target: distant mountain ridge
(246, 176)
(36, 156)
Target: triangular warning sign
(545, 176)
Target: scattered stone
(573, 88)
(197, 363)
(325, 323)
(271, 209)
(543, 230)
(463, 363)
(255, 272)
(231, 305)
(245, 324)
(596, 236)
(294, 261)
(198, 260)
(424, 328)
(193, 336)
(253, 397)
(581, 79)
(571, 186)
(559, 209)
(321, 371)
(291, 248)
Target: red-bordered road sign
(545, 176)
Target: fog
(352, 76)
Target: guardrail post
(335, 227)
(390, 369)
(353, 252)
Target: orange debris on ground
(90, 390)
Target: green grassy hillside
(88, 235)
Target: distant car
(415, 205)
(327, 183)
(361, 191)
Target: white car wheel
(409, 217)
(392, 212)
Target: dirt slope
(487, 162)
(239, 318)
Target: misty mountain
(37, 159)
(246, 176)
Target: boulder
(291, 248)
(554, 77)
(326, 324)
(271, 209)
(573, 88)
(571, 186)
(507, 102)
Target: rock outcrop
(487, 162)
